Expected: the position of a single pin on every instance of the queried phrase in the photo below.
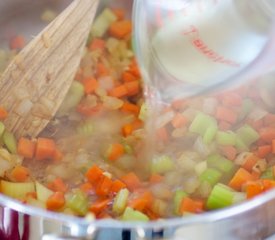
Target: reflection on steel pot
(251, 220)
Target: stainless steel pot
(251, 220)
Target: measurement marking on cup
(200, 45)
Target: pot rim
(207, 217)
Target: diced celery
(143, 112)
(178, 196)
(133, 215)
(17, 190)
(201, 123)
(210, 175)
(42, 192)
(120, 201)
(210, 134)
(128, 148)
(86, 128)
(268, 174)
(240, 145)
(219, 162)
(73, 97)
(10, 141)
(102, 22)
(162, 164)
(226, 138)
(221, 196)
(2, 128)
(247, 134)
(78, 202)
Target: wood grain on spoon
(35, 83)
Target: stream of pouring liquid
(201, 49)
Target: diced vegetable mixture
(92, 159)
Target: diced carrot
(45, 149)
(55, 201)
(273, 146)
(229, 152)
(17, 42)
(249, 162)
(142, 202)
(103, 215)
(115, 151)
(269, 120)
(57, 185)
(58, 155)
(119, 12)
(156, 178)
(255, 174)
(151, 214)
(101, 70)
(267, 134)
(88, 111)
(94, 174)
(263, 151)
(162, 134)
(226, 114)
(179, 104)
(241, 177)
(131, 180)
(117, 185)
(191, 206)
(31, 195)
(97, 43)
(232, 99)
(90, 85)
(179, 121)
(103, 187)
(99, 206)
(133, 87)
(130, 108)
(137, 124)
(134, 69)
(20, 174)
(268, 184)
(127, 129)
(3, 113)
(128, 77)
(26, 148)
(120, 29)
(119, 91)
(224, 126)
(256, 124)
(253, 189)
(87, 188)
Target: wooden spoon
(35, 83)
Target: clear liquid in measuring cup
(207, 43)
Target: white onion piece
(210, 105)
(200, 147)
(4, 166)
(240, 159)
(24, 107)
(107, 83)
(164, 118)
(257, 114)
(200, 167)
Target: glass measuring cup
(186, 47)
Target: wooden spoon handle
(37, 80)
